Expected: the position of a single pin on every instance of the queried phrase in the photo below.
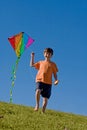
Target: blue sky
(59, 24)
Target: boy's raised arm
(32, 59)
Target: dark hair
(49, 50)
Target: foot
(1, 116)
(43, 109)
(36, 108)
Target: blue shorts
(45, 89)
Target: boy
(44, 77)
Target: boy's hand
(32, 54)
(56, 82)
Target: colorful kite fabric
(20, 43)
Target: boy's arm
(32, 59)
(56, 80)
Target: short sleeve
(37, 65)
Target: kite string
(13, 78)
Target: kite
(19, 43)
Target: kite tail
(13, 78)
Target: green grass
(19, 117)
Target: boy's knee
(38, 91)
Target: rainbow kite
(19, 43)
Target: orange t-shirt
(45, 71)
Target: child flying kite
(46, 68)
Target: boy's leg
(37, 96)
(45, 100)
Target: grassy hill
(19, 117)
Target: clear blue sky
(60, 24)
